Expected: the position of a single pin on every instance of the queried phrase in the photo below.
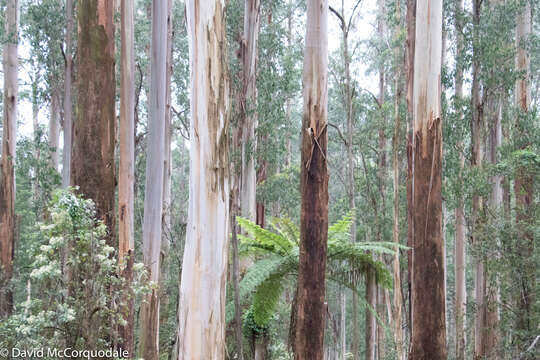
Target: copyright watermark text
(67, 353)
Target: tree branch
(339, 133)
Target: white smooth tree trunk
(7, 173)
(153, 199)
(68, 123)
(54, 130)
(249, 104)
(201, 333)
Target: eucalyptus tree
(68, 114)
(92, 162)
(428, 338)
(201, 331)
(153, 197)
(126, 173)
(310, 320)
(7, 175)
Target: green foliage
(266, 279)
(74, 293)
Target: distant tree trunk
(92, 165)
(397, 300)
(371, 324)
(126, 243)
(313, 187)
(201, 333)
(153, 197)
(428, 340)
(54, 130)
(460, 249)
(7, 174)
(523, 183)
(477, 159)
(381, 176)
(248, 53)
(167, 176)
(68, 123)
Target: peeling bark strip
(428, 340)
(201, 329)
(126, 168)
(310, 318)
(92, 166)
(7, 175)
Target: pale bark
(126, 176)
(313, 187)
(68, 123)
(248, 51)
(7, 173)
(428, 340)
(167, 174)
(54, 130)
(459, 243)
(153, 197)
(201, 333)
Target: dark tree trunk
(92, 167)
(310, 320)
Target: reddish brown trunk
(429, 335)
(7, 174)
(94, 129)
(310, 320)
(261, 177)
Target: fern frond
(287, 229)
(341, 229)
(265, 237)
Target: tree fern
(348, 262)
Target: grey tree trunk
(460, 249)
(54, 130)
(153, 198)
(248, 52)
(201, 333)
(68, 122)
(7, 174)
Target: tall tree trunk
(54, 130)
(248, 51)
(201, 333)
(409, 65)
(477, 159)
(459, 245)
(126, 243)
(428, 340)
(92, 165)
(381, 176)
(68, 123)
(153, 197)
(523, 183)
(396, 269)
(7, 174)
(313, 187)
(167, 176)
